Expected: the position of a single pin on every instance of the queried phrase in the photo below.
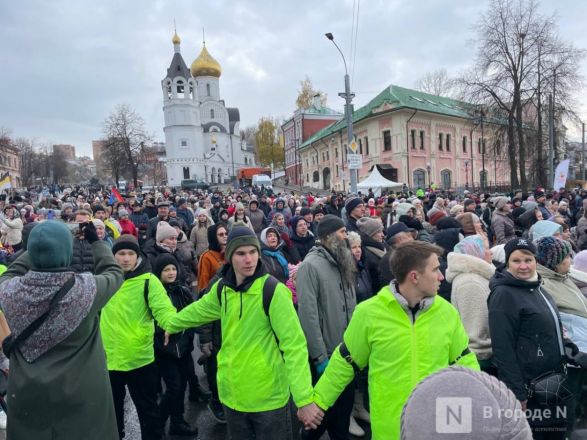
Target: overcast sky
(65, 64)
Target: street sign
(355, 161)
(354, 146)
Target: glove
(89, 231)
(321, 367)
(206, 349)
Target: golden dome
(175, 39)
(205, 65)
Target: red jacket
(128, 227)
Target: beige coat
(11, 230)
(470, 288)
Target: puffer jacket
(82, 259)
(325, 302)
(524, 334)
(469, 277)
(571, 303)
(11, 230)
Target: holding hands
(310, 415)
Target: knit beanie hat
(98, 208)
(403, 209)
(239, 205)
(352, 203)
(50, 246)
(500, 202)
(162, 261)
(164, 230)
(551, 251)
(126, 241)
(448, 223)
(411, 222)
(123, 213)
(472, 245)
(329, 224)
(580, 261)
(468, 202)
(490, 411)
(518, 244)
(434, 218)
(98, 223)
(454, 211)
(498, 253)
(295, 221)
(369, 226)
(239, 236)
(468, 221)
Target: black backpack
(268, 292)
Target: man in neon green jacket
(403, 334)
(263, 357)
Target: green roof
(399, 97)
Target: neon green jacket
(399, 354)
(2, 269)
(127, 325)
(253, 375)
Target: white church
(202, 137)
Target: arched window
(207, 89)
(419, 179)
(315, 176)
(211, 113)
(445, 177)
(186, 172)
(180, 89)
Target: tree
(269, 150)
(126, 138)
(515, 44)
(306, 94)
(59, 166)
(437, 83)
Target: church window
(183, 143)
(186, 172)
(207, 89)
(180, 89)
(211, 113)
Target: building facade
(296, 130)
(10, 161)
(202, 138)
(419, 138)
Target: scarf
(26, 298)
(280, 259)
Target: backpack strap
(146, 295)
(465, 352)
(268, 292)
(346, 354)
(219, 288)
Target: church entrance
(326, 178)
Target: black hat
(305, 211)
(126, 241)
(518, 244)
(395, 229)
(329, 224)
(318, 210)
(98, 208)
(163, 203)
(162, 261)
(352, 203)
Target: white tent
(377, 182)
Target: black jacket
(523, 331)
(363, 286)
(271, 263)
(152, 250)
(180, 344)
(372, 260)
(446, 239)
(82, 258)
(303, 244)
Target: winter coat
(303, 244)
(199, 236)
(364, 285)
(581, 231)
(180, 344)
(373, 252)
(187, 216)
(524, 334)
(152, 250)
(232, 220)
(67, 389)
(263, 358)
(127, 324)
(325, 302)
(186, 255)
(333, 209)
(152, 226)
(400, 349)
(140, 220)
(11, 230)
(571, 303)
(503, 227)
(272, 264)
(258, 220)
(82, 259)
(446, 239)
(128, 227)
(470, 277)
(209, 263)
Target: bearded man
(326, 301)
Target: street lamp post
(348, 109)
(481, 118)
(467, 175)
(429, 168)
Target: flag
(560, 175)
(5, 182)
(115, 196)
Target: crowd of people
(343, 307)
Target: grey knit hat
(370, 226)
(488, 409)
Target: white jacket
(11, 230)
(470, 288)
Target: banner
(560, 175)
(115, 196)
(5, 181)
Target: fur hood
(467, 264)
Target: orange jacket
(210, 262)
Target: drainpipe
(408, 148)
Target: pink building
(303, 124)
(420, 138)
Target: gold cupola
(205, 65)
(175, 39)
